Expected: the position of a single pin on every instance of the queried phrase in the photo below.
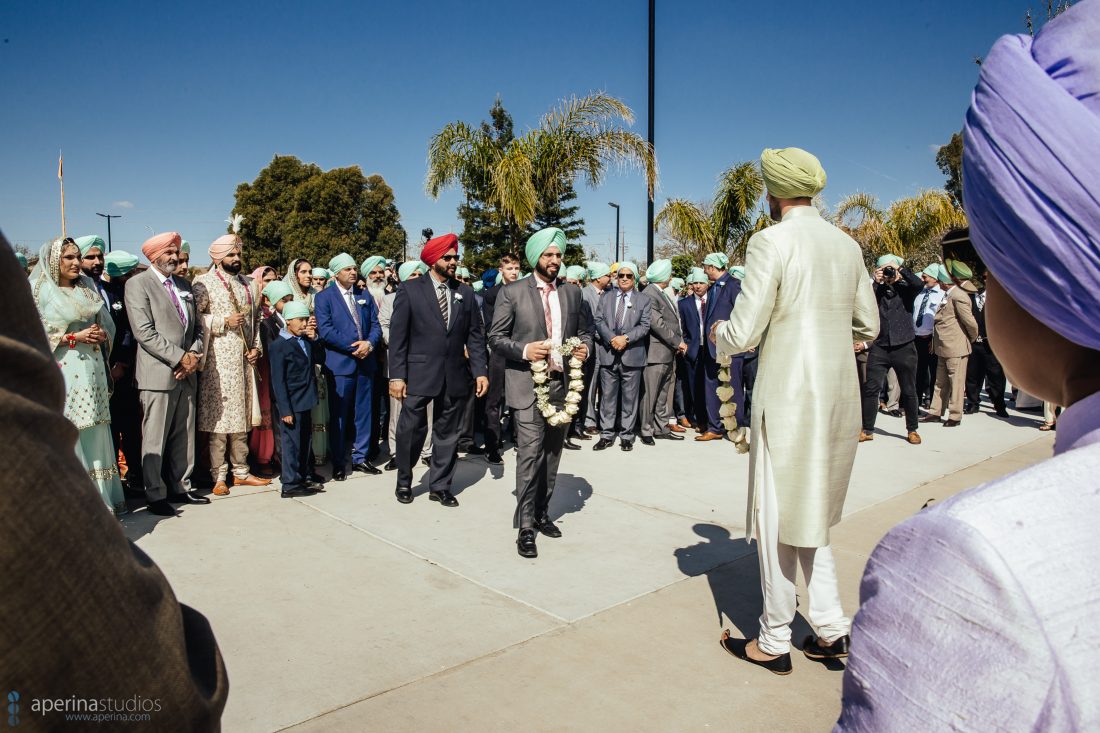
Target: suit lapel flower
(458, 297)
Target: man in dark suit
(533, 318)
(435, 325)
(622, 324)
(125, 405)
(599, 278)
(665, 344)
(722, 295)
(494, 400)
(983, 365)
(693, 311)
(347, 323)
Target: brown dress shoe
(676, 429)
(930, 418)
(914, 438)
(685, 423)
(220, 489)
(952, 423)
(864, 436)
(251, 480)
(708, 436)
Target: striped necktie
(444, 303)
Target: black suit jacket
(689, 319)
(292, 378)
(433, 357)
(124, 347)
(979, 315)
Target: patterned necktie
(546, 309)
(702, 313)
(444, 303)
(354, 313)
(923, 305)
(620, 310)
(175, 300)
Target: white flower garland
(728, 410)
(540, 373)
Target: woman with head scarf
(303, 280)
(261, 439)
(80, 330)
(980, 612)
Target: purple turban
(1031, 171)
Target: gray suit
(587, 416)
(664, 339)
(168, 423)
(621, 371)
(519, 319)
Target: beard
(93, 272)
(774, 210)
(377, 290)
(232, 269)
(550, 273)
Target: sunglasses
(449, 258)
(627, 276)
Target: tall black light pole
(616, 207)
(649, 210)
(108, 217)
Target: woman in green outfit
(80, 331)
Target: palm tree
(724, 225)
(579, 138)
(910, 227)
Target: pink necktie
(175, 301)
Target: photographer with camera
(896, 288)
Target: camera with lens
(889, 272)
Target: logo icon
(13, 709)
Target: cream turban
(222, 246)
(791, 173)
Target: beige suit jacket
(955, 327)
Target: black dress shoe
(188, 498)
(316, 478)
(813, 649)
(952, 423)
(404, 494)
(366, 468)
(493, 458)
(647, 440)
(580, 435)
(894, 413)
(592, 431)
(627, 446)
(162, 508)
(603, 444)
(525, 544)
(391, 465)
(314, 486)
(972, 410)
(781, 665)
(293, 491)
(446, 498)
(133, 492)
(1002, 413)
(668, 436)
(339, 474)
(475, 450)
(570, 445)
(548, 528)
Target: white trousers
(778, 566)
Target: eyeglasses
(627, 276)
(449, 258)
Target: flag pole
(60, 177)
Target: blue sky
(162, 110)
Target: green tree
(910, 227)
(949, 158)
(682, 264)
(561, 214)
(295, 209)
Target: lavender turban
(1031, 171)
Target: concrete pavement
(347, 611)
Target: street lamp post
(108, 217)
(649, 202)
(616, 207)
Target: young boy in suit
(292, 380)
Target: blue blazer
(721, 296)
(337, 331)
(689, 318)
(432, 356)
(292, 379)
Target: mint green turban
(659, 271)
(320, 272)
(717, 259)
(541, 241)
(697, 276)
(791, 173)
(87, 243)
(943, 275)
(340, 262)
(294, 309)
(276, 290)
(478, 286)
(185, 247)
(676, 283)
(628, 265)
(118, 263)
(738, 272)
(408, 268)
(370, 263)
(889, 259)
(500, 278)
(22, 259)
(933, 270)
(960, 270)
(462, 272)
(597, 270)
(575, 272)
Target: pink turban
(158, 244)
(436, 248)
(222, 246)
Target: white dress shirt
(555, 320)
(924, 319)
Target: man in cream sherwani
(805, 298)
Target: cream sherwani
(804, 300)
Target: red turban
(158, 244)
(436, 248)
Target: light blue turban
(370, 263)
(597, 270)
(185, 247)
(575, 272)
(462, 272)
(933, 270)
(717, 259)
(22, 259)
(87, 243)
(276, 290)
(340, 262)
(478, 286)
(408, 268)
(320, 272)
(943, 275)
(118, 263)
(697, 276)
(888, 260)
(294, 309)
(628, 265)
(659, 271)
(676, 283)
(500, 279)
(541, 241)
(1031, 171)
(738, 272)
